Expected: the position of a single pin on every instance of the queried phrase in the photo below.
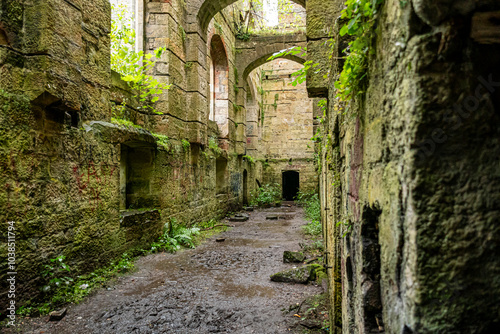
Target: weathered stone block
(318, 52)
(300, 275)
(293, 257)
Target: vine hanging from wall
(361, 15)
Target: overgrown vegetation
(162, 141)
(310, 202)
(185, 145)
(174, 236)
(131, 64)
(60, 288)
(249, 159)
(214, 146)
(361, 15)
(267, 195)
(250, 19)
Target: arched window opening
(219, 80)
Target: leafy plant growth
(269, 194)
(250, 19)
(185, 145)
(133, 65)
(310, 202)
(249, 159)
(62, 287)
(174, 236)
(361, 19)
(214, 146)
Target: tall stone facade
(409, 175)
(76, 182)
(280, 128)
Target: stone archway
(206, 9)
(256, 51)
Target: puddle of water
(249, 291)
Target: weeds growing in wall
(249, 19)
(185, 145)
(249, 159)
(214, 146)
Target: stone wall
(409, 176)
(280, 118)
(79, 185)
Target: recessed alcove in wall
(221, 176)
(245, 187)
(195, 154)
(54, 115)
(136, 168)
(57, 114)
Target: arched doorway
(245, 187)
(291, 184)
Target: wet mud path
(219, 287)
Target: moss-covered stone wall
(79, 184)
(280, 125)
(409, 178)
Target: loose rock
(57, 315)
(293, 257)
(298, 275)
(239, 217)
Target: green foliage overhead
(249, 19)
(301, 74)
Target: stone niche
(221, 176)
(136, 169)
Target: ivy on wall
(361, 15)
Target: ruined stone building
(407, 167)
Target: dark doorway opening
(290, 184)
(245, 187)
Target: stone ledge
(113, 133)
(132, 218)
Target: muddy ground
(219, 287)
